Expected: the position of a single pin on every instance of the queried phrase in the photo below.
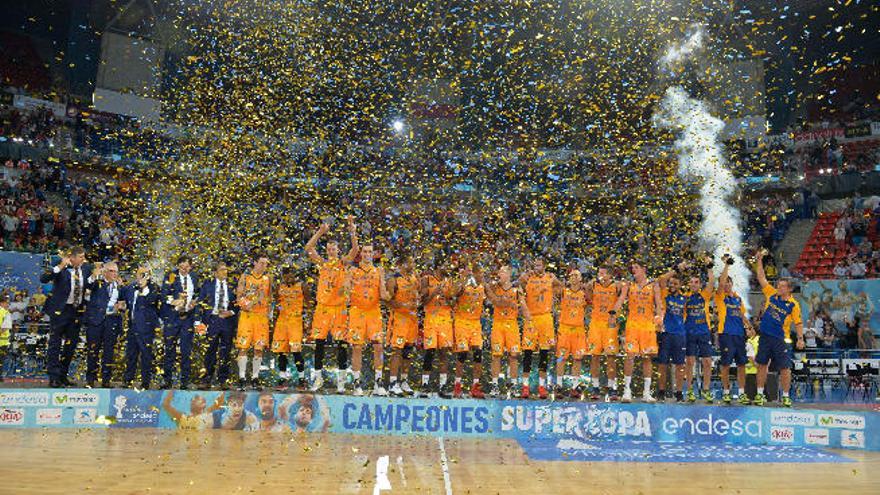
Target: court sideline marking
(382, 481)
(444, 465)
(400, 468)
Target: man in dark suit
(179, 298)
(142, 300)
(217, 320)
(64, 306)
(103, 322)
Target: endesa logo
(786, 418)
(11, 416)
(713, 426)
(24, 399)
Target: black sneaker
(283, 384)
(494, 392)
(679, 397)
(445, 391)
(242, 385)
(423, 392)
(661, 395)
(301, 384)
(166, 386)
(144, 386)
(184, 385)
(255, 384)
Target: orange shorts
(572, 341)
(438, 332)
(468, 333)
(538, 333)
(403, 328)
(641, 337)
(364, 326)
(505, 337)
(288, 334)
(329, 320)
(601, 339)
(253, 331)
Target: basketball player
(330, 318)
(643, 318)
(254, 297)
(781, 311)
(674, 340)
(470, 297)
(268, 420)
(572, 338)
(539, 286)
(732, 330)
(403, 324)
(603, 294)
(288, 335)
(508, 302)
(438, 336)
(367, 286)
(699, 336)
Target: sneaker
(301, 383)
(708, 396)
(577, 393)
(661, 396)
(786, 401)
(494, 391)
(627, 396)
(679, 397)
(317, 382)
(477, 391)
(542, 392)
(744, 400)
(242, 385)
(396, 390)
(255, 384)
(358, 391)
(648, 398)
(282, 384)
(422, 392)
(340, 384)
(456, 391)
(525, 392)
(612, 395)
(691, 397)
(726, 398)
(445, 392)
(759, 400)
(379, 390)
(596, 394)
(404, 385)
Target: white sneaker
(397, 390)
(317, 382)
(380, 391)
(358, 392)
(404, 386)
(627, 395)
(647, 397)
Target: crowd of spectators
(30, 222)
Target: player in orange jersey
(331, 316)
(403, 324)
(572, 339)
(365, 284)
(508, 302)
(469, 297)
(254, 297)
(603, 292)
(644, 315)
(436, 289)
(288, 335)
(540, 287)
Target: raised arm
(759, 269)
(310, 247)
(352, 233)
(728, 260)
(171, 410)
(663, 280)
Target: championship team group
(438, 312)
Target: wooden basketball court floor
(151, 461)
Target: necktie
(221, 305)
(77, 287)
(111, 300)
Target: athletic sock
(560, 380)
(542, 381)
(726, 391)
(255, 367)
(741, 391)
(458, 380)
(242, 366)
(785, 394)
(647, 386)
(404, 377)
(760, 390)
(627, 380)
(443, 379)
(596, 382)
(356, 375)
(425, 379)
(393, 380)
(476, 381)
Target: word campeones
(415, 418)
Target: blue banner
(524, 421)
(842, 300)
(20, 270)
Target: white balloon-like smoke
(701, 157)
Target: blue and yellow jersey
(674, 316)
(730, 314)
(779, 314)
(697, 309)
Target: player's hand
(65, 262)
(800, 343)
(324, 228)
(201, 328)
(761, 253)
(683, 266)
(351, 224)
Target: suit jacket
(57, 299)
(145, 316)
(171, 288)
(99, 297)
(206, 299)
